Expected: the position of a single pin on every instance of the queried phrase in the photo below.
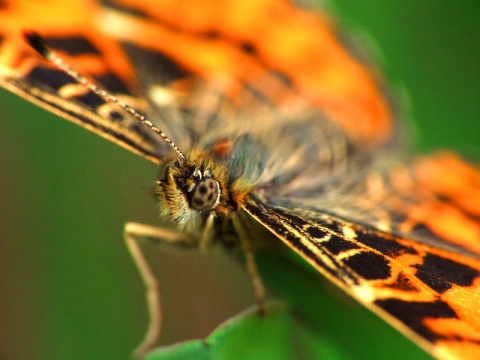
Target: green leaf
(279, 335)
(194, 349)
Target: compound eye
(206, 194)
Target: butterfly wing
(174, 69)
(219, 45)
(424, 283)
(71, 32)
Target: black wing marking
(113, 127)
(91, 53)
(426, 293)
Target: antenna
(40, 46)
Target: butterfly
(307, 149)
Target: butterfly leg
(251, 265)
(133, 232)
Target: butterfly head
(194, 186)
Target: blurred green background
(68, 287)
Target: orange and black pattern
(71, 32)
(422, 290)
(271, 83)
